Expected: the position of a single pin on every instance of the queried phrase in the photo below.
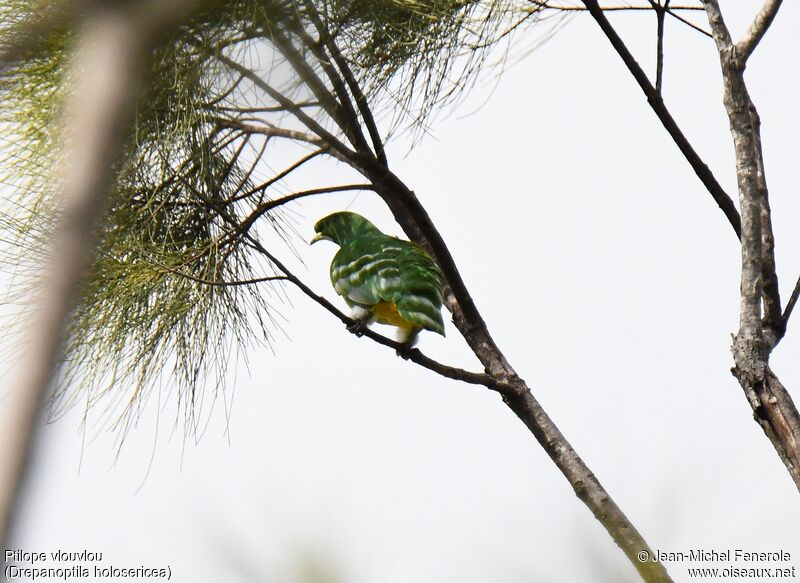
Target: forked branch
(700, 168)
(757, 30)
(772, 405)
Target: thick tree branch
(657, 104)
(755, 33)
(115, 42)
(773, 407)
(411, 215)
(737, 104)
(770, 291)
(498, 375)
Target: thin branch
(243, 180)
(225, 94)
(688, 23)
(278, 177)
(411, 215)
(271, 131)
(759, 26)
(414, 354)
(700, 168)
(660, 10)
(790, 304)
(213, 283)
(339, 110)
(265, 109)
(345, 114)
(336, 145)
(563, 8)
(264, 208)
(352, 83)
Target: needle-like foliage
(181, 281)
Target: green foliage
(178, 236)
(422, 54)
(154, 298)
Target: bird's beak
(318, 237)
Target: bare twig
(787, 312)
(688, 23)
(657, 104)
(221, 283)
(660, 10)
(565, 8)
(265, 109)
(264, 208)
(269, 131)
(672, 11)
(278, 177)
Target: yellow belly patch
(386, 313)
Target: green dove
(383, 278)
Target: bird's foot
(405, 349)
(358, 327)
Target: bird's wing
(391, 270)
(354, 276)
(414, 285)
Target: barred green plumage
(385, 279)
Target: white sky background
(607, 275)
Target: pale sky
(607, 275)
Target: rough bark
(772, 405)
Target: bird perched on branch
(383, 278)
